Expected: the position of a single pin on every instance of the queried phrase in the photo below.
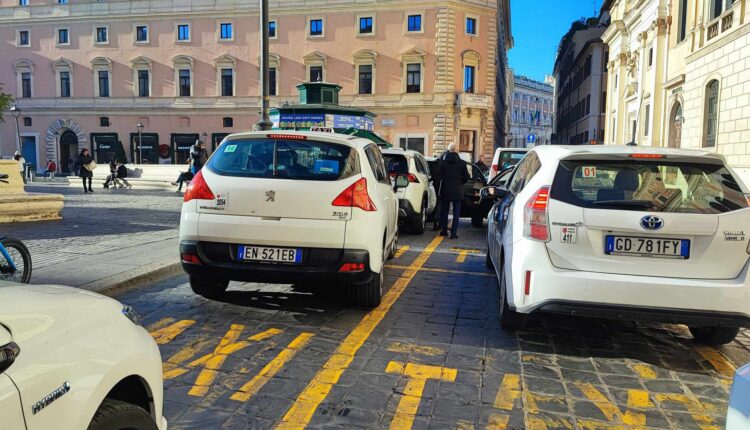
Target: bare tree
(5, 101)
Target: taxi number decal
(568, 235)
(588, 171)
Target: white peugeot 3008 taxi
(624, 232)
(290, 207)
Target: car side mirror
(8, 354)
(494, 193)
(401, 182)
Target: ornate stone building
(86, 73)
(531, 112)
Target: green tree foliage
(5, 101)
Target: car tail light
(352, 267)
(198, 189)
(647, 156)
(411, 177)
(493, 170)
(536, 221)
(527, 283)
(191, 259)
(286, 136)
(356, 196)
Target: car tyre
(477, 220)
(509, 319)
(394, 246)
(207, 287)
(488, 261)
(714, 335)
(370, 294)
(420, 220)
(119, 415)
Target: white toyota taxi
(418, 200)
(290, 207)
(636, 233)
(71, 359)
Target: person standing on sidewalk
(86, 171)
(21, 165)
(455, 175)
(198, 156)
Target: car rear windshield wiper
(645, 204)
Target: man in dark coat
(455, 175)
(436, 176)
(198, 156)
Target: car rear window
(395, 163)
(653, 186)
(285, 159)
(510, 159)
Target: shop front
(216, 139)
(150, 149)
(106, 147)
(181, 144)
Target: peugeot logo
(650, 222)
(271, 196)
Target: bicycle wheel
(21, 258)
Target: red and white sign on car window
(588, 171)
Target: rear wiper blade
(645, 204)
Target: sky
(537, 27)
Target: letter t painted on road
(418, 375)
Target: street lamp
(265, 122)
(16, 112)
(139, 126)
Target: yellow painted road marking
(510, 390)
(639, 399)
(498, 422)
(644, 371)
(436, 270)
(694, 407)
(462, 253)
(272, 368)
(168, 333)
(418, 375)
(299, 415)
(414, 349)
(609, 410)
(401, 251)
(465, 425)
(718, 361)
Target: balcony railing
(720, 25)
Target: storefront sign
(300, 120)
(677, 90)
(475, 101)
(350, 121)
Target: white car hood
(28, 311)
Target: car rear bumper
(405, 210)
(634, 297)
(219, 261)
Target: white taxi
(72, 359)
(622, 232)
(418, 200)
(290, 207)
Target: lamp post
(16, 112)
(265, 122)
(139, 126)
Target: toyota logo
(650, 222)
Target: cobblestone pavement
(432, 356)
(100, 233)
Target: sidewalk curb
(134, 279)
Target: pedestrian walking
(198, 156)
(51, 169)
(122, 173)
(436, 176)
(86, 171)
(185, 176)
(21, 165)
(455, 175)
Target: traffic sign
(531, 138)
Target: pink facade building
(87, 73)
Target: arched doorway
(675, 126)
(68, 151)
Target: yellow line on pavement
(463, 252)
(418, 375)
(301, 412)
(610, 411)
(498, 422)
(644, 371)
(432, 269)
(718, 361)
(168, 333)
(401, 251)
(694, 408)
(272, 368)
(510, 390)
(415, 349)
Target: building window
(272, 81)
(272, 29)
(227, 122)
(316, 27)
(23, 38)
(227, 82)
(226, 31)
(587, 67)
(23, 2)
(650, 56)
(184, 83)
(64, 84)
(647, 120)
(682, 23)
(62, 1)
(413, 78)
(365, 25)
(103, 83)
(718, 7)
(316, 73)
(469, 79)
(471, 26)
(62, 36)
(414, 23)
(183, 33)
(711, 115)
(104, 121)
(27, 121)
(141, 33)
(143, 84)
(365, 79)
(26, 85)
(101, 35)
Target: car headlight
(131, 314)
